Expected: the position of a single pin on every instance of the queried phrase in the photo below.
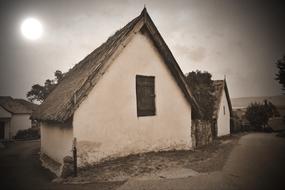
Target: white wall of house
(106, 122)
(223, 121)
(5, 117)
(56, 140)
(19, 122)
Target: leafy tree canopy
(39, 93)
(258, 114)
(201, 85)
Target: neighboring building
(128, 96)
(222, 109)
(14, 116)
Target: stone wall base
(201, 133)
(51, 164)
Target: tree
(271, 109)
(201, 85)
(39, 93)
(58, 75)
(258, 114)
(280, 76)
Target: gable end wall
(106, 123)
(223, 122)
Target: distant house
(14, 116)
(222, 109)
(128, 96)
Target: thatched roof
(27, 104)
(220, 86)
(17, 106)
(79, 81)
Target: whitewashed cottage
(14, 116)
(128, 96)
(222, 109)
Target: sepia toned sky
(241, 39)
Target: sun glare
(31, 29)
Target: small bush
(28, 134)
(258, 114)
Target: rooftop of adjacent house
(17, 106)
(79, 81)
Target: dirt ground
(20, 168)
(255, 162)
(203, 160)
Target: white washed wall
(56, 140)
(223, 122)
(20, 122)
(106, 122)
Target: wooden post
(74, 150)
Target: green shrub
(258, 114)
(28, 134)
(201, 85)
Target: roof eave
(171, 62)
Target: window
(224, 110)
(145, 95)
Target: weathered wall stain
(90, 153)
(201, 133)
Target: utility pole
(74, 151)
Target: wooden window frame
(143, 81)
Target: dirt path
(20, 169)
(257, 162)
(167, 164)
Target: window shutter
(145, 91)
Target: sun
(31, 29)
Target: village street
(256, 162)
(20, 169)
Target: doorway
(2, 129)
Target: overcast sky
(239, 39)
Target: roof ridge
(95, 51)
(83, 69)
(14, 105)
(81, 79)
(6, 97)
